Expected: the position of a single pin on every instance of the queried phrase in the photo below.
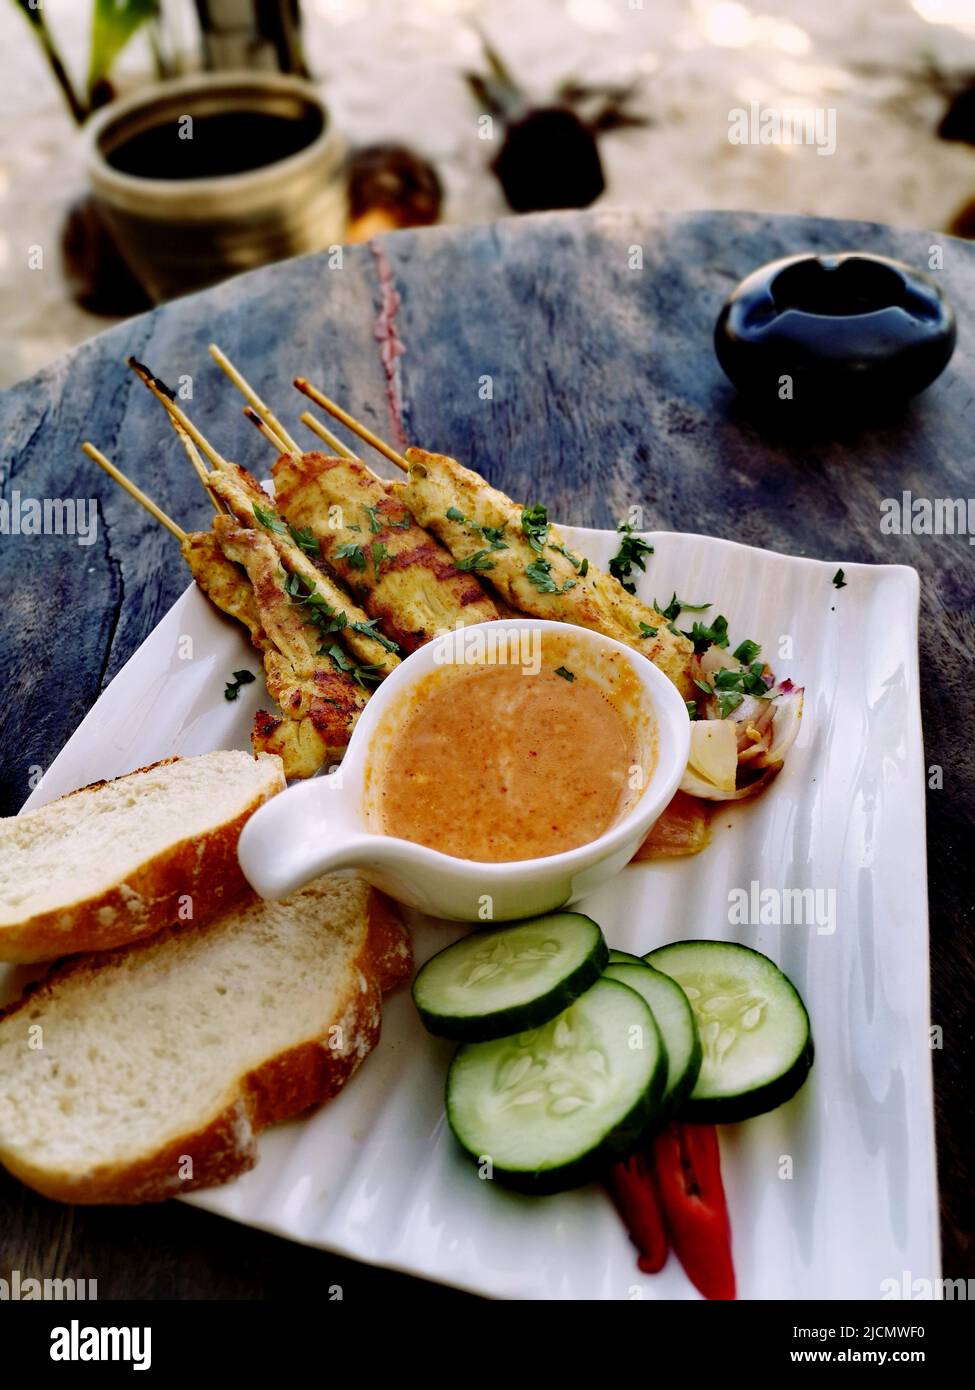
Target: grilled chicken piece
(281, 619)
(318, 738)
(303, 683)
(222, 582)
(541, 579)
(401, 575)
(320, 708)
(241, 491)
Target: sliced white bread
(145, 1072)
(120, 860)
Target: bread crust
(203, 868)
(295, 1080)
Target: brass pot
(181, 234)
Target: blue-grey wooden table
(534, 352)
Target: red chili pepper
(687, 1164)
(634, 1192)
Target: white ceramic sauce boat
(321, 826)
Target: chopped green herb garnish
(747, 652)
(540, 574)
(703, 685)
(584, 568)
(368, 629)
(379, 554)
(375, 525)
(691, 708)
(320, 614)
(677, 606)
(731, 687)
(535, 524)
(581, 565)
(342, 662)
(647, 631)
(492, 534)
(633, 551)
(232, 689)
(729, 700)
(270, 520)
(839, 581)
(353, 526)
(713, 635)
(566, 674)
(304, 539)
(351, 552)
(360, 674)
(479, 560)
(672, 628)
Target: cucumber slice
(623, 958)
(551, 1107)
(675, 1019)
(506, 979)
(754, 1028)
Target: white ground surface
(393, 69)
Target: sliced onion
(696, 786)
(785, 726)
(716, 659)
(713, 759)
(750, 748)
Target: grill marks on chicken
(403, 577)
(437, 485)
(238, 570)
(241, 492)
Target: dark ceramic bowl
(847, 330)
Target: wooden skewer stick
(165, 398)
(275, 441)
(134, 491)
(323, 432)
(193, 454)
(351, 423)
(253, 399)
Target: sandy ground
(393, 69)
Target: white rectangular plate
(830, 1195)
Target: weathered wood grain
(604, 393)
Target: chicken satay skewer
(319, 707)
(196, 459)
(254, 400)
(245, 500)
(351, 423)
(259, 413)
(263, 428)
(278, 445)
(323, 432)
(167, 400)
(119, 477)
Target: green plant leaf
(113, 23)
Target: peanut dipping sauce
(497, 763)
